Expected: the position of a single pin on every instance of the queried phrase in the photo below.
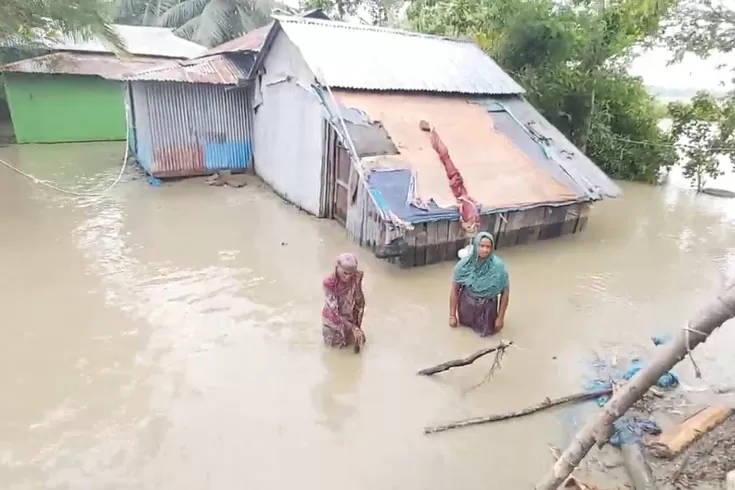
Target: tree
(598, 430)
(28, 21)
(572, 58)
(375, 12)
(701, 27)
(206, 22)
(706, 128)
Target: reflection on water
(168, 337)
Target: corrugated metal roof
(216, 70)
(497, 173)
(139, 40)
(252, 41)
(568, 157)
(375, 58)
(102, 65)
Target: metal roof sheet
(139, 40)
(376, 58)
(570, 160)
(102, 65)
(252, 41)
(215, 70)
(496, 173)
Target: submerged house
(73, 92)
(190, 117)
(337, 120)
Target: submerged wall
(439, 241)
(187, 129)
(288, 134)
(65, 108)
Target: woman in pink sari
(344, 305)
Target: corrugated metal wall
(191, 129)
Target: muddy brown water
(168, 337)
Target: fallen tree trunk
(548, 403)
(599, 430)
(637, 467)
(464, 361)
(572, 482)
(672, 442)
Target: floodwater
(168, 337)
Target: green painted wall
(65, 108)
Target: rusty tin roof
(252, 41)
(101, 65)
(216, 70)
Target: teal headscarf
(485, 277)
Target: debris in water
(227, 178)
(680, 437)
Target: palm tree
(24, 21)
(207, 22)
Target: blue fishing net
(630, 428)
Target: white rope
(68, 192)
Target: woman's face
(486, 248)
(345, 274)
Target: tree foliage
(706, 128)
(206, 22)
(375, 12)
(30, 21)
(572, 58)
(701, 27)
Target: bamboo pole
(598, 430)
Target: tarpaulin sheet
(392, 188)
(496, 173)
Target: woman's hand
(452, 321)
(359, 335)
(499, 323)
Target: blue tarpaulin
(629, 428)
(393, 186)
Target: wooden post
(598, 430)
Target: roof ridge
(363, 27)
(5, 66)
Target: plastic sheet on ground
(629, 428)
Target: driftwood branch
(548, 403)
(599, 429)
(464, 361)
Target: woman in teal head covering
(480, 278)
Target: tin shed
(190, 118)
(74, 93)
(337, 132)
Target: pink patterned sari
(344, 305)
